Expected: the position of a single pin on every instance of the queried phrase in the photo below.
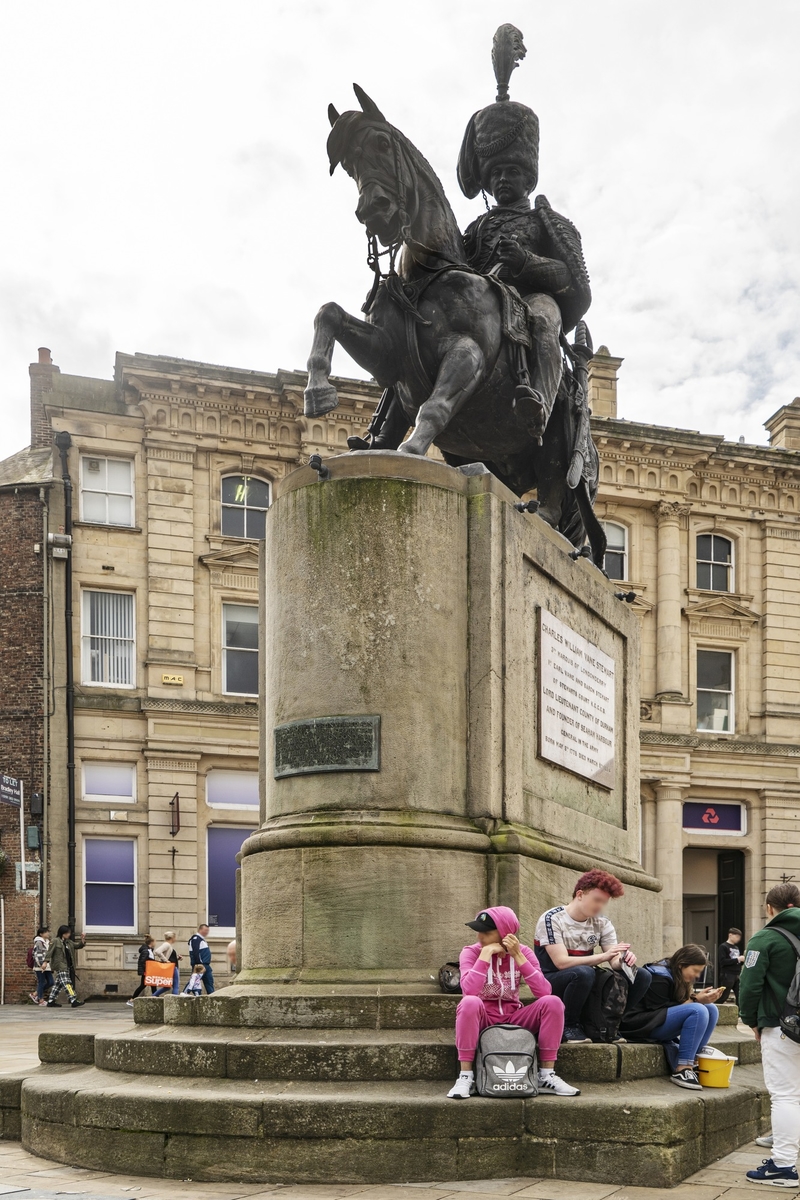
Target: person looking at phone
(670, 1009)
(572, 939)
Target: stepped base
(401, 1131)
(349, 1085)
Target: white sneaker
(463, 1088)
(554, 1085)
(129, 1003)
(765, 1141)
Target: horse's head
(400, 198)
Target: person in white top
(572, 939)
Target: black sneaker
(776, 1176)
(686, 1078)
(77, 1003)
(574, 1033)
(54, 1004)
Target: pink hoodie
(497, 981)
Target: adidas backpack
(505, 1063)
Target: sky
(165, 185)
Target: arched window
(616, 560)
(714, 563)
(245, 501)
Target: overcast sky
(165, 186)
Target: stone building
(706, 532)
(171, 466)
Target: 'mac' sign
(712, 817)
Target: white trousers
(781, 1060)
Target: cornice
(718, 746)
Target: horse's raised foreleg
(362, 341)
(461, 371)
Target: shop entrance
(713, 899)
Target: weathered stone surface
(338, 1061)
(10, 1090)
(595, 1064)
(641, 1061)
(66, 1047)
(10, 1124)
(639, 1115)
(165, 1056)
(135, 1152)
(149, 1010)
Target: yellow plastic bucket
(715, 1072)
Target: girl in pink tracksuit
(491, 971)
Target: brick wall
(20, 712)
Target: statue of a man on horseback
(467, 334)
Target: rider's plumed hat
(504, 131)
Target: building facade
(150, 774)
(706, 533)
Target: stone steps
(637, 1132)
(347, 1055)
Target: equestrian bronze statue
(467, 334)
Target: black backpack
(450, 978)
(605, 1005)
(789, 1010)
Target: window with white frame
(109, 885)
(232, 789)
(109, 783)
(240, 649)
(245, 501)
(223, 844)
(714, 563)
(616, 559)
(107, 490)
(107, 637)
(715, 691)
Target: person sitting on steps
(567, 941)
(491, 970)
(670, 1009)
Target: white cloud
(166, 185)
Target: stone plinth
(402, 603)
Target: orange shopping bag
(158, 974)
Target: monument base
(305, 1084)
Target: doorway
(713, 899)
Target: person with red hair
(572, 939)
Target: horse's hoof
(319, 400)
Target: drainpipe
(46, 651)
(63, 442)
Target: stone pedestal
(405, 781)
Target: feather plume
(507, 52)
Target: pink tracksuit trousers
(544, 1018)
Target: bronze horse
(437, 333)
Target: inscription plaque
(576, 702)
(327, 744)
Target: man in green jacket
(769, 966)
(62, 963)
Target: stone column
(669, 860)
(670, 518)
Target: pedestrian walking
(195, 985)
(166, 952)
(41, 965)
(200, 955)
(62, 963)
(730, 959)
(145, 954)
(768, 970)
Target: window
(107, 490)
(715, 691)
(240, 671)
(616, 560)
(237, 789)
(244, 506)
(109, 783)
(714, 562)
(108, 641)
(109, 874)
(223, 846)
